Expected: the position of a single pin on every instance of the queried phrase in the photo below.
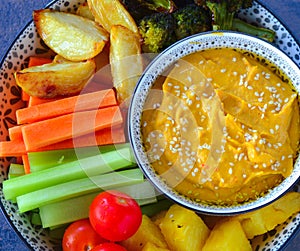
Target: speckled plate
(28, 43)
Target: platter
(28, 43)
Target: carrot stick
(50, 131)
(12, 148)
(26, 163)
(37, 101)
(25, 96)
(35, 61)
(89, 101)
(102, 137)
(15, 132)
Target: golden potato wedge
(73, 37)
(183, 229)
(147, 232)
(112, 12)
(227, 236)
(267, 218)
(125, 60)
(84, 11)
(55, 79)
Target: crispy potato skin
(55, 79)
(74, 37)
(126, 61)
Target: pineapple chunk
(151, 247)
(265, 219)
(157, 218)
(147, 232)
(183, 229)
(227, 236)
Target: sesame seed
(223, 70)
(234, 59)
(230, 170)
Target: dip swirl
(221, 128)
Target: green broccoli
(224, 12)
(160, 30)
(141, 8)
(190, 20)
(157, 32)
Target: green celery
(62, 212)
(38, 198)
(82, 168)
(15, 170)
(35, 219)
(46, 159)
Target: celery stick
(86, 167)
(66, 211)
(35, 219)
(78, 187)
(15, 170)
(46, 159)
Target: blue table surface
(15, 14)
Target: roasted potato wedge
(73, 37)
(84, 11)
(111, 12)
(125, 60)
(55, 79)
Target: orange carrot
(102, 137)
(15, 132)
(35, 61)
(12, 148)
(89, 101)
(36, 101)
(50, 131)
(26, 163)
(25, 96)
(106, 136)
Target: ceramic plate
(28, 43)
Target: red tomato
(81, 236)
(109, 246)
(115, 215)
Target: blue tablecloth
(15, 14)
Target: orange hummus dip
(221, 128)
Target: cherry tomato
(109, 246)
(81, 236)
(115, 215)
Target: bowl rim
(141, 160)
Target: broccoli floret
(157, 32)
(190, 20)
(141, 8)
(224, 12)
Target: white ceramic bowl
(253, 46)
(28, 43)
